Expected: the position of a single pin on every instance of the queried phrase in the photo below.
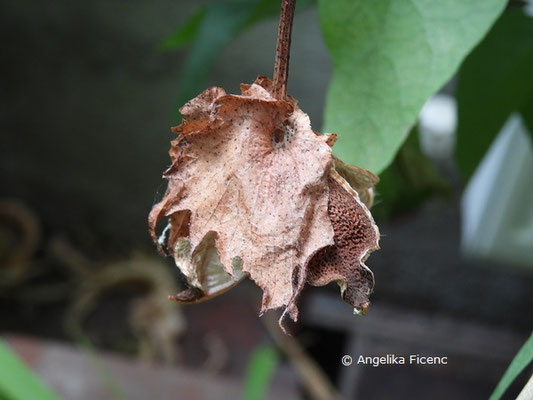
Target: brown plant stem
(281, 63)
(312, 376)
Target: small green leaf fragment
(261, 367)
(17, 381)
(523, 358)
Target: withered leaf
(250, 169)
(356, 236)
(251, 191)
(360, 179)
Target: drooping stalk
(281, 63)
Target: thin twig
(312, 376)
(281, 63)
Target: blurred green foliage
(185, 34)
(209, 31)
(495, 80)
(407, 181)
(17, 382)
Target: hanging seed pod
(253, 191)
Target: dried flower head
(254, 191)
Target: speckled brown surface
(356, 235)
(250, 168)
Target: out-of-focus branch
(318, 385)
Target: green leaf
(260, 370)
(522, 359)
(185, 34)
(494, 81)
(389, 56)
(17, 382)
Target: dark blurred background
(87, 101)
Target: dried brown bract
(252, 191)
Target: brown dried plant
(254, 191)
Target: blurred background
(89, 91)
